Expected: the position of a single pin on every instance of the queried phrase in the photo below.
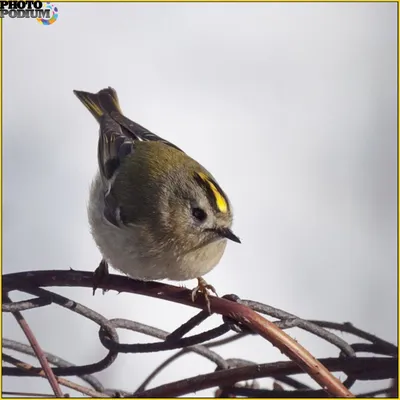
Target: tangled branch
(240, 316)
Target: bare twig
(236, 311)
(52, 359)
(26, 394)
(231, 376)
(237, 315)
(28, 368)
(37, 349)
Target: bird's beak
(228, 234)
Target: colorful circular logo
(53, 14)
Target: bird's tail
(105, 101)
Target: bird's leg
(100, 275)
(204, 288)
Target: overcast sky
(291, 106)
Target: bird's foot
(204, 288)
(100, 275)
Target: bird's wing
(113, 147)
(105, 102)
(117, 137)
(138, 131)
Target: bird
(154, 212)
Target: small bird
(154, 212)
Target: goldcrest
(154, 212)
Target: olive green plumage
(154, 212)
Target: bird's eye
(199, 214)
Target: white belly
(118, 247)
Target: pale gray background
(291, 106)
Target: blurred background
(293, 107)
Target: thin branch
(26, 394)
(167, 344)
(350, 328)
(37, 349)
(26, 304)
(236, 316)
(292, 321)
(62, 381)
(52, 359)
(236, 311)
(231, 376)
(86, 312)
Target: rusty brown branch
(62, 381)
(37, 349)
(295, 351)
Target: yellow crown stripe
(219, 198)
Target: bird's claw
(204, 288)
